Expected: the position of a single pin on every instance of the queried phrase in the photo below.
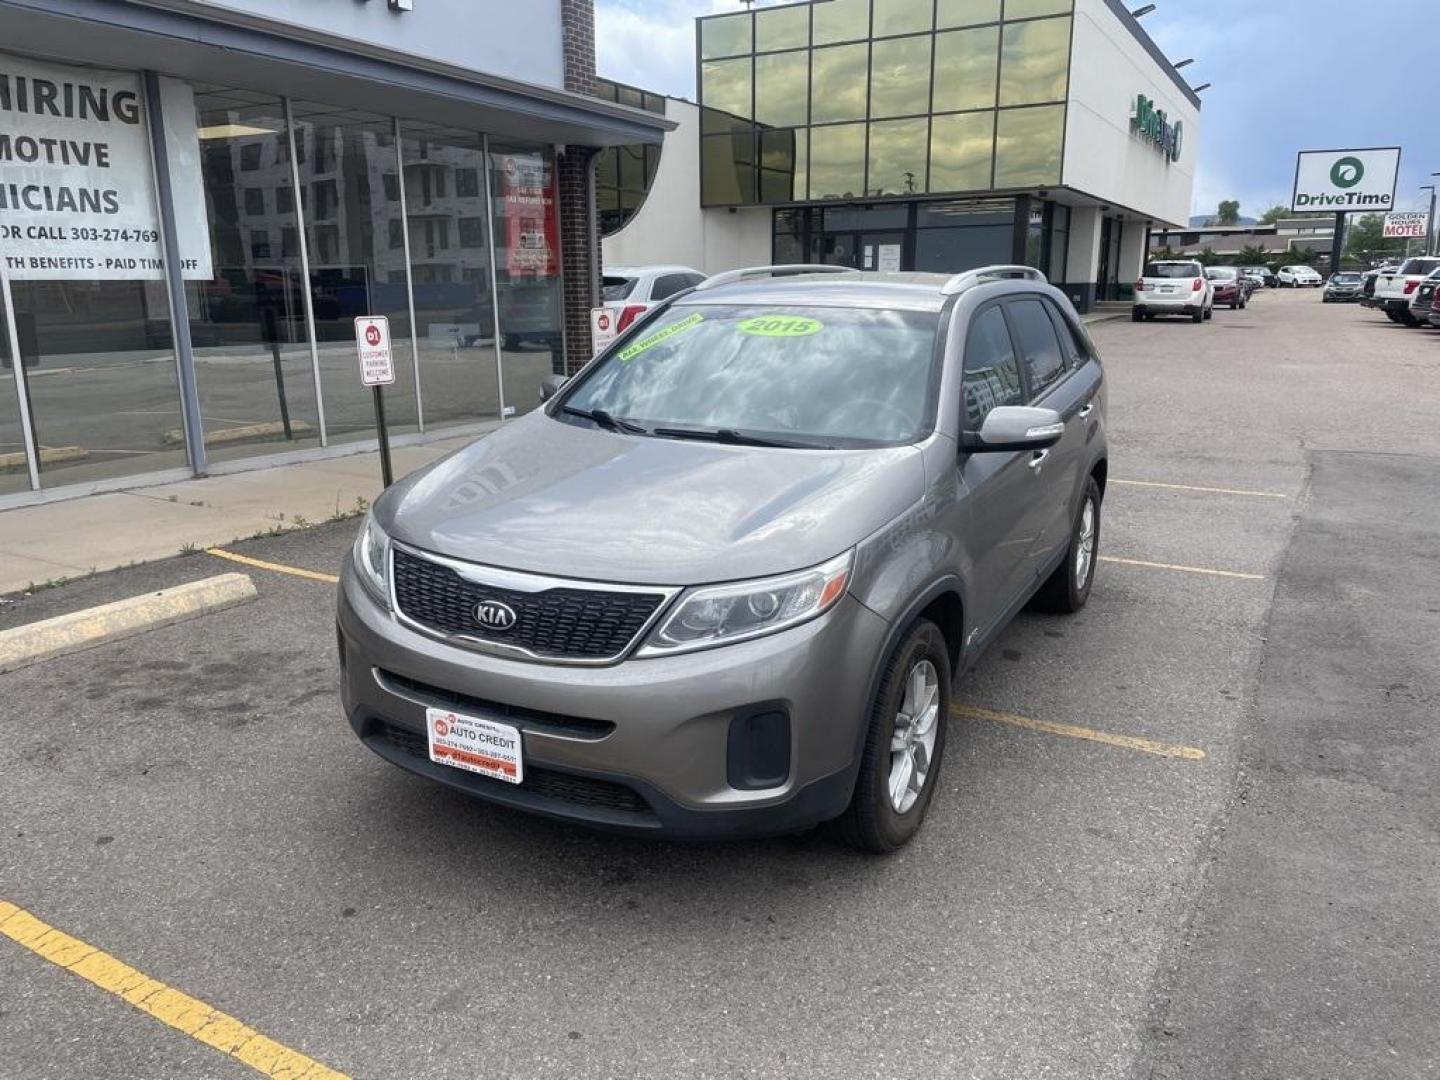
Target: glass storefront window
(450, 264)
(838, 78)
(14, 473)
(782, 89)
(527, 265)
(950, 13)
(725, 89)
(900, 77)
(727, 35)
(961, 151)
(354, 270)
(782, 28)
(841, 20)
(1027, 146)
(727, 169)
(1034, 61)
(897, 156)
(902, 16)
(247, 324)
(1032, 9)
(965, 62)
(837, 161)
(782, 165)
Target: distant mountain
(1200, 221)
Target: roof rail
(728, 276)
(970, 278)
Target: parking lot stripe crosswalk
(1242, 576)
(278, 568)
(180, 1011)
(1203, 490)
(1074, 731)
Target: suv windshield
(1345, 278)
(1172, 270)
(816, 376)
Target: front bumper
(644, 745)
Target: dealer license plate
(475, 745)
(1167, 288)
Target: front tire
(1066, 590)
(900, 763)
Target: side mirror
(1015, 427)
(550, 386)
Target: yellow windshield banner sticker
(780, 326)
(632, 351)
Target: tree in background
(1252, 255)
(1365, 241)
(1303, 256)
(1274, 214)
(1207, 256)
(1163, 253)
(1229, 212)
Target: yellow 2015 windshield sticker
(780, 326)
(631, 351)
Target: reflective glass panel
(961, 147)
(900, 77)
(727, 169)
(950, 13)
(782, 88)
(1030, 9)
(948, 251)
(837, 161)
(354, 269)
(527, 265)
(782, 169)
(728, 35)
(897, 156)
(837, 83)
(902, 16)
(782, 28)
(14, 475)
(965, 69)
(1034, 61)
(247, 324)
(725, 88)
(1027, 146)
(450, 261)
(841, 20)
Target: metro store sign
(1154, 126)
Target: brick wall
(579, 218)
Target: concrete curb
(49, 638)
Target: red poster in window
(532, 229)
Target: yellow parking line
(1206, 490)
(279, 568)
(1183, 569)
(180, 1011)
(1071, 731)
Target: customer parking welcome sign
(77, 198)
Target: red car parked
(1229, 289)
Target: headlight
(372, 559)
(721, 614)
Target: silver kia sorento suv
(723, 581)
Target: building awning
(195, 41)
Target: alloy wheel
(912, 746)
(1085, 549)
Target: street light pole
(1432, 236)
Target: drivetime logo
(1152, 125)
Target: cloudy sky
(1287, 74)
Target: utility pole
(1432, 234)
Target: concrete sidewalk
(53, 541)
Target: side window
(992, 373)
(1038, 344)
(1076, 350)
(667, 285)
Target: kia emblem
(493, 615)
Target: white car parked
(631, 291)
(1394, 289)
(1173, 287)
(1299, 277)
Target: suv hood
(550, 497)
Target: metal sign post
(377, 369)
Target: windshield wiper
(603, 419)
(734, 437)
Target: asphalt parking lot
(1190, 832)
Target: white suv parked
(1174, 287)
(1299, 277)
(630, 291)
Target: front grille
(563, 623)
(547, 783)
(578, 727)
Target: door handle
(1038, 459)
(1084, 413)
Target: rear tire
(1209, 312)
(1136, 315)
(1066, 590)
(1199, 316)
(873, 822)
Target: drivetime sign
(1344, 180)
